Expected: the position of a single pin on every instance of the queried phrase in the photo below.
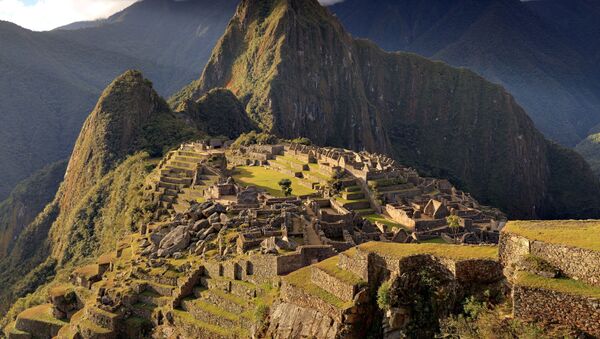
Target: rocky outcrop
(231, 120)
(300, 74)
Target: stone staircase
(354, 199)
(176, 184)
(220, 307)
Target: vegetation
(564, 285)
(458, 252)
(331, 266)
(383, 295)
(26, 201)
(286, 186)
(453, 222)
(390, 224)
(302, 279)
(268, 179)
(481, 319)
(253, 138)
(562, 232)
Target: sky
(44, 15)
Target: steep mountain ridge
(100, 198)
(300, 74)
(506, 41)
(51, 80)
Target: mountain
(26, 201)
(300, 74)
(590, 150)
(49, 81)
(100, 197)
(523, 46)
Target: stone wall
(292, 321)
(546, 305)
(337, 287)
(576, 263)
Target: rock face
(300, 74)
(231, 121)
(527, 46)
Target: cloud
(330, 2)
(48, 14)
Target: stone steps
(166, 185)
(39, 322)
(87, 329)
(353, 195)
(102, 318)
(211, 313)
(176, 180)
(357, 205)
(238, 288)
(226, 301)
(154, 299)
(182, 164)
(196, 328)
(172, 169)
(190, 154)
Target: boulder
(200, 225)
(249, 196)
(176, 241)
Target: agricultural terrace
(268, 179)
(576, 233)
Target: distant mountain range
(49, 81)
(544, 52)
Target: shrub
(383, 295)
(261, 312)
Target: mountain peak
(111, 131)
(300, 74)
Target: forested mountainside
(49, 81)
(26, 201)
(543, 52)
(300, 74)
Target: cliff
(300, 74)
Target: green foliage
(286, 186)
(480, 320)
(261, 312)
(253, 138)
(163, 133)
(453, 222)
(26, 201)
(302, 141)
(383, 295)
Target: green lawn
(382, 219)
(302, 279)
(577, 233)
(268, 180)
(562, 285)
(457, 252)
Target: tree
(286, 187)
(454, 223)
